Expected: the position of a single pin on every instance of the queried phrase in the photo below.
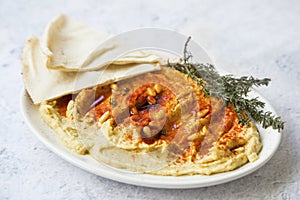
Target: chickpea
(203, 113)
(104, 117)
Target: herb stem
(233, 91)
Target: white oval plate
(270, 139)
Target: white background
(259, 38)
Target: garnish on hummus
(162, 120)
(159, 123)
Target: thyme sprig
(233, 91)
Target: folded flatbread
(43, 83)
(72, 46)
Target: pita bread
(73, 46)
(43, 83)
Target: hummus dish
(131, 112)
(158, 123)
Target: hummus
(157, 123)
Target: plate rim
(146, 180)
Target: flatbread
(72, 46)
(43, 83)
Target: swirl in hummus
(158, 123)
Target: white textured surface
(244, 37)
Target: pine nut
(104, 117)
(203, 121)
(192, 137)
(114, 87)
(202, 113)
(151, 92)
(157, 88)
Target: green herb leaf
(113, 102)
(233, 91)
(162, 132)
(126, 90)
